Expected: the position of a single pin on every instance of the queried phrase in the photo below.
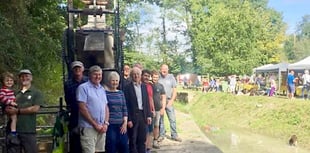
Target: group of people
(112, 118)
(21, 106)
(238, 85)
(303, 79)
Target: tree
(303, 28)
(235, 36)
(289, 48)
(31, 38)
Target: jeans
(305, 88)
(172, 120)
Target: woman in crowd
(116, 138)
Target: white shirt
(138, 92)
(306, 78)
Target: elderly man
(139, 114)
(93, 112)
(169, 83)
(29, 100)
(70, 87)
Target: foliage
(226, 37)
(302, 48)
(304, 27)
(288, 47)
(234, 37)
(146, 60)
(31, 38)
(297, 45)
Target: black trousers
(28, 143)
(75, 142)
(137, 134)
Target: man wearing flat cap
(70, 87)
(29, 100)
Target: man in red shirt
(146, 75)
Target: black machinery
(96, 42)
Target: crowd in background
(268, 84)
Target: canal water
(240, 141)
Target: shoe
(178, 139)
(160, 138)
(13, 139)
(156, 144)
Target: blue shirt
(94, 96)
(70, 97)
(290, 79)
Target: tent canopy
(300, 65)
(276, 68)
(262, 67)
(280, 67)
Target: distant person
(117, 138)
(273, 87)
(93, 112)
(139, 114)
(146, 75)
(259, 81)
(205, 85)
(169, 83)
(138, 65)
(29, 100)
(126, 76)
(70, 87)
(185, 82)
(218, 84)
(212, 84)
(159, 97)
(7, 98)
(291, 84)
(232, 84)
(306, 84)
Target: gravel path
(194, 140)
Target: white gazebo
(300, 65)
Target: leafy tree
(289, 47)
(303, 28)
(233, 37)
(31, 34)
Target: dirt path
(194, 140)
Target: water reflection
(240, 141)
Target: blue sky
(292, 11)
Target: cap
(24, 71)
(77, 63)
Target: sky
(292, 11)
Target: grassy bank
(271, 116)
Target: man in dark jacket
(72, 105)
(139, 115)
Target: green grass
(271, 116)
